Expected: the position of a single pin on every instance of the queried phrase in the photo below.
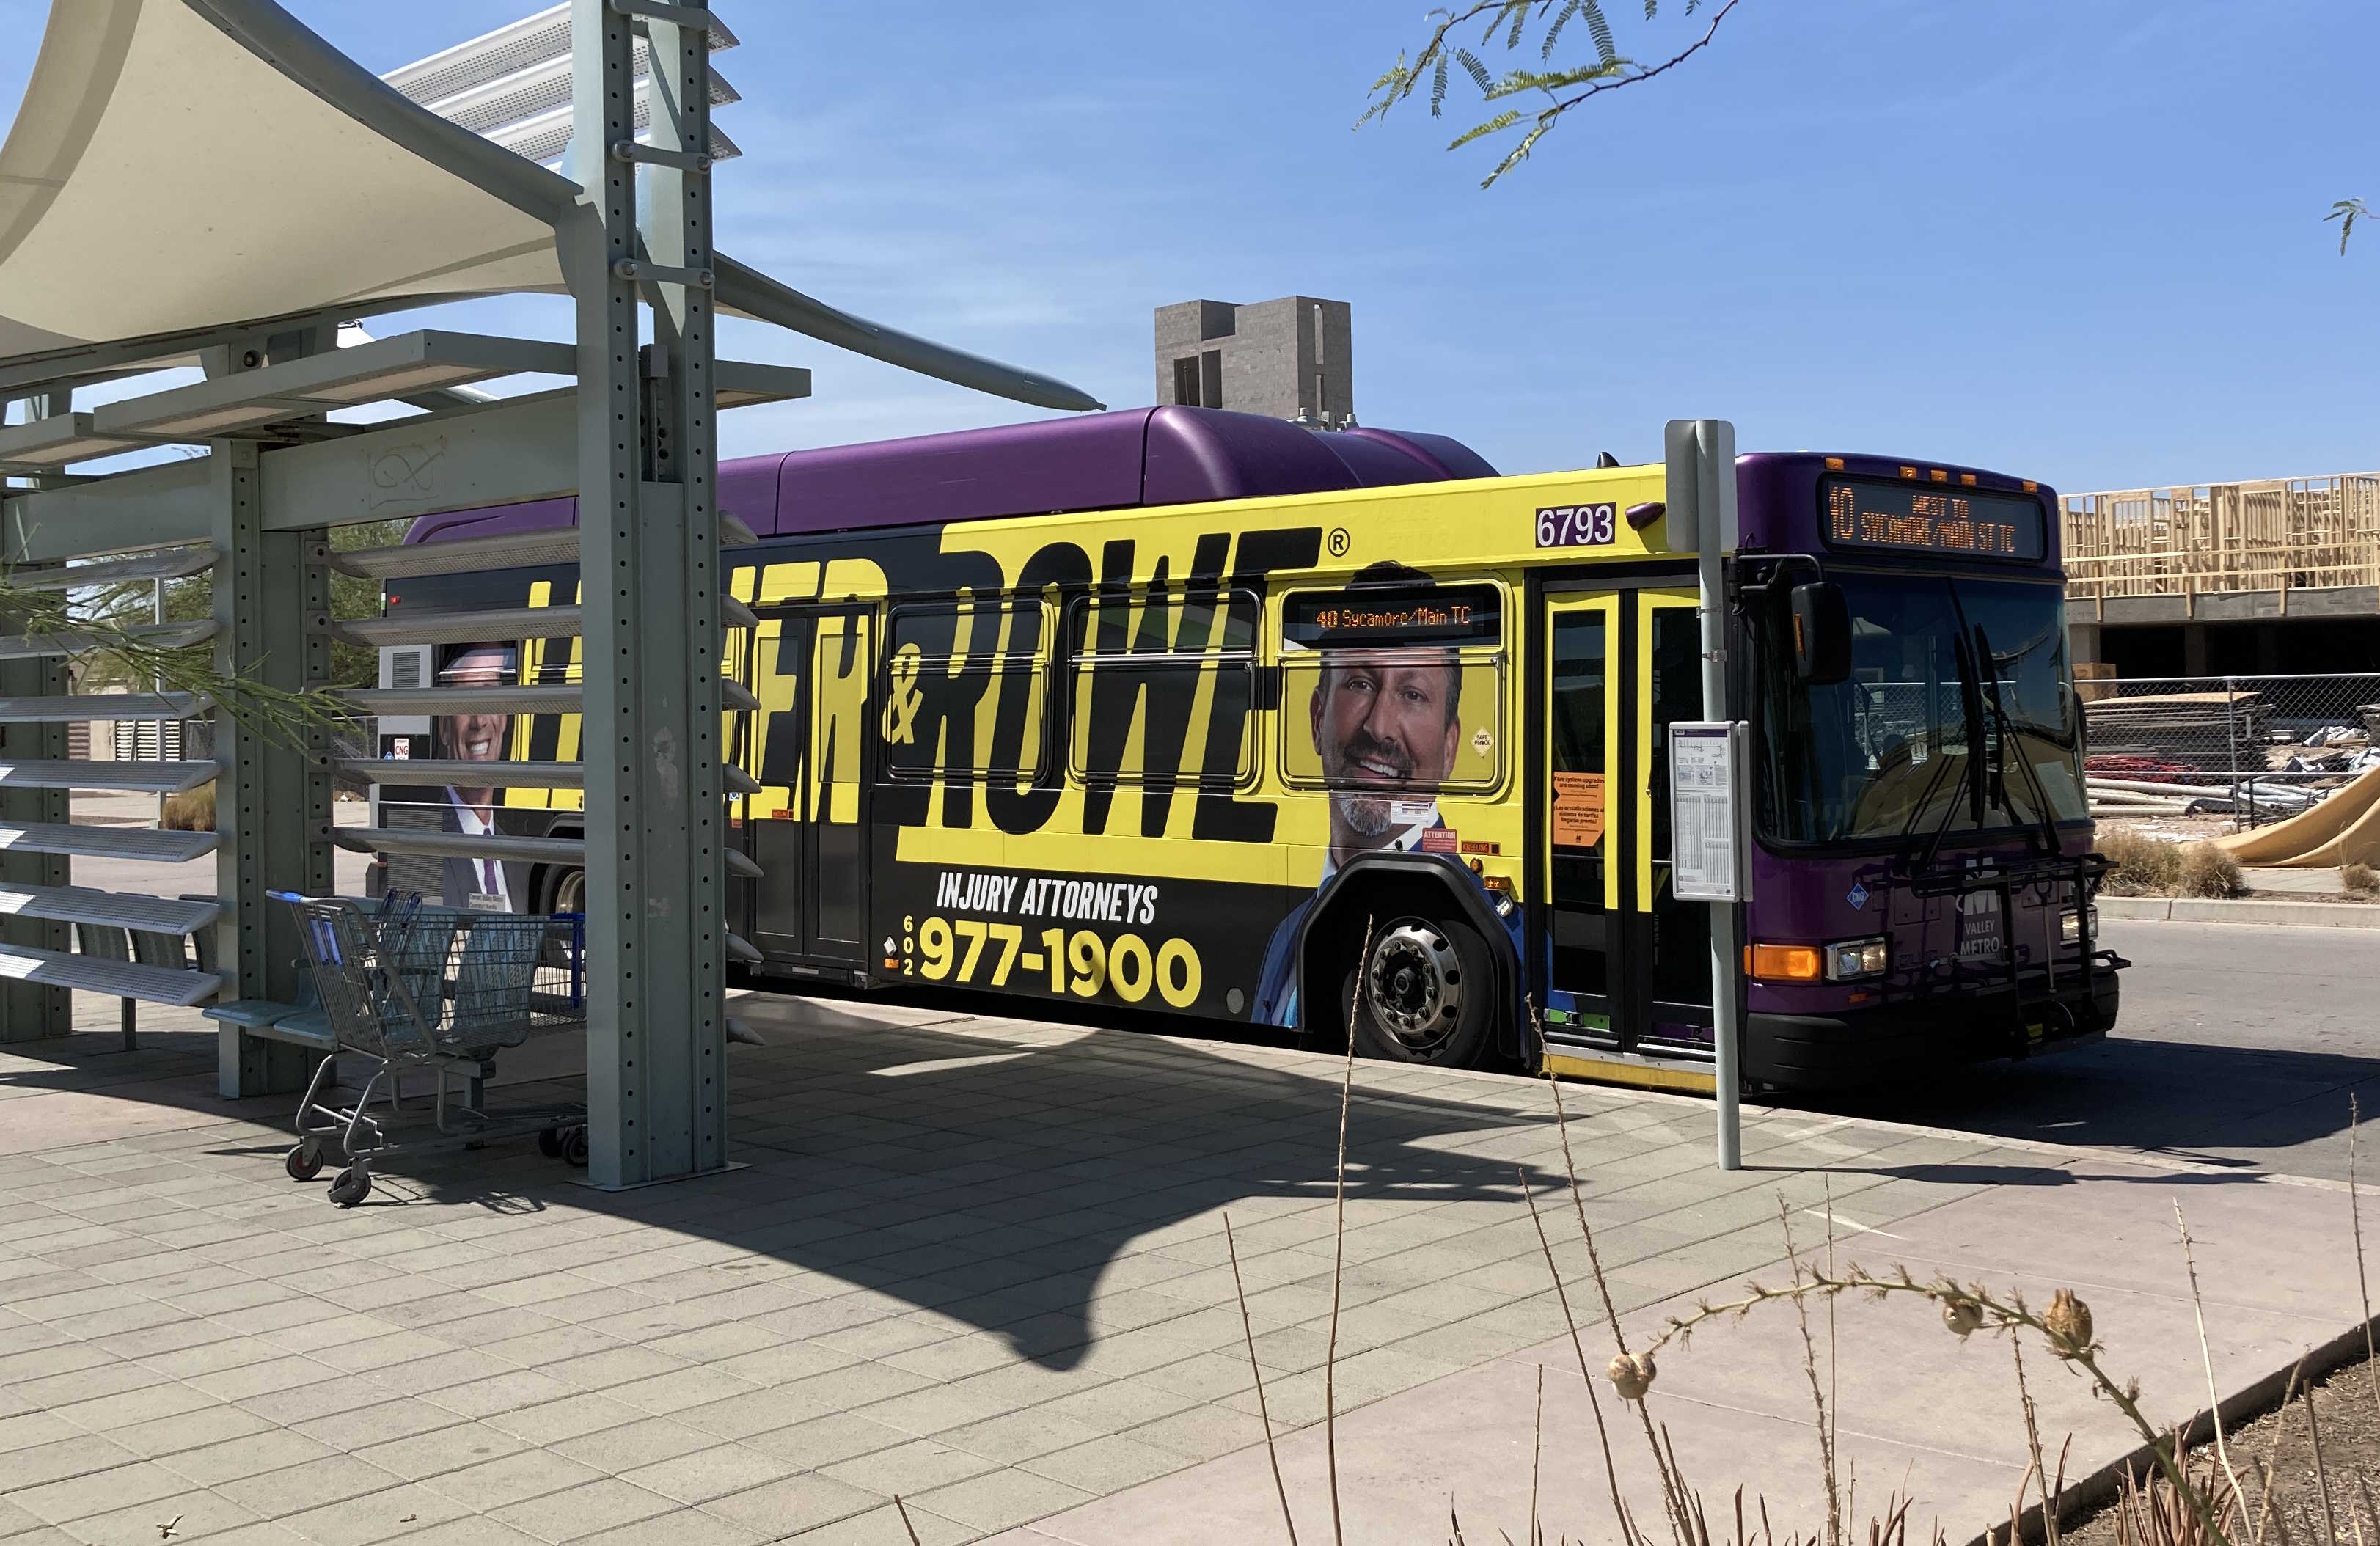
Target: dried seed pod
(1962, 1316)
(2069, 1320)
(1631, 1374)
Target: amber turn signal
(1788, 963)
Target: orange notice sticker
(1578, 809)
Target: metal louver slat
(163, 778)
(154, 914)
(510, 551)
(95, 974)
(418, 840)
(163, 635)
(740, 866)
(469, 775)
(741, 949)
(101, 705)
(462, 627)
(467, 627)
(172, 563)
(133, 842)
(410, 560)
(490, 776)
(557, 698)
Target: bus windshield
(1959, 716)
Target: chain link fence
(2255, 747)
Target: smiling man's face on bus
(477, 737)
(1391, 720)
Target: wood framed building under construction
(2277, 575)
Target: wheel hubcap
(1413, 985)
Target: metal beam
(336, 378)
(497, 453)
(649, 531)
(272, 798)
(516, 449)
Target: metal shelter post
(273, 800)
(649, 562)
(29, 1011)
(1701, 459)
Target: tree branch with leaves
(1561, 87)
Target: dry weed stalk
(1594, 1403)
(903, 1510)
(1537, 1457)
(2205, 1354)
(1338, 1246)
(1818, 1397)
(2321, 1472)
(1625, 1368)
(1256, 1372)
(2065, 1328)
(2355, 1217)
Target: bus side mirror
(1822, 633)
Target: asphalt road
(2238, 1044)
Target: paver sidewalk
(976, 1262)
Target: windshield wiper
(1969, 700)
(1985, 659)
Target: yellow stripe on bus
(1641, 1076)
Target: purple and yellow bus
(1210, 714)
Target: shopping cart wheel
(574, 1147)
(304, 1162)
(549, 1143)
(351, 1185)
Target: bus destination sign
(1919, 518)
(1451, 614)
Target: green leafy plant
(1557, 87)
(103, 634)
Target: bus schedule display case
(1199, 713)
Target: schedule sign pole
(1706, 758)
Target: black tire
(549, 1143)
(304, 1162)
(560, 890)
(1431, 994)
(351, 1185)
(574, 1147)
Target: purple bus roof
(1171, 455)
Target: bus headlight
(1850, 960)
(2069, 924)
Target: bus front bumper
(1910, 1037)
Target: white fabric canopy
(184, 164)
(159, 176)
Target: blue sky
(2076, 240)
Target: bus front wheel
(1424, 993)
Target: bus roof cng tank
(1170, 455)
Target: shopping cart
(409, 990)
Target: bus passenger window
(1162, 685)
(964, 688)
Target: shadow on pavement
(2213, 1104)
(997, 1181)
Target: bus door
(1625, 966)
(807, 826)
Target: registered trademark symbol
(1339, 542)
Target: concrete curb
(2086, 1495)
(2191, 910)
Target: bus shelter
(209, 183)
